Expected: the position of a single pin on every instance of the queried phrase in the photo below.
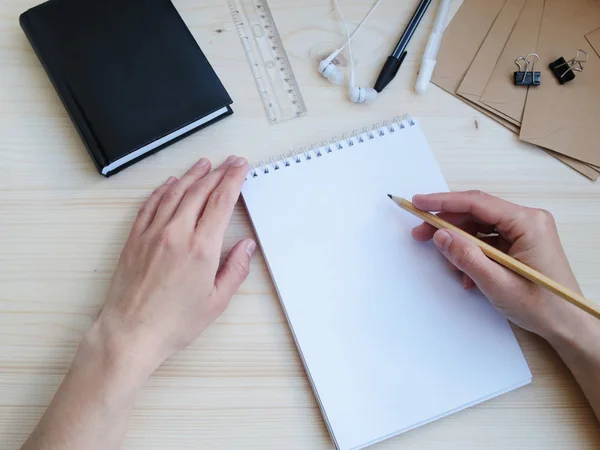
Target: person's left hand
(168, 287)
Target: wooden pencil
(505, 260)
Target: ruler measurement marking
(269, 65)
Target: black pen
(393, 62)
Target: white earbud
(330, 71)
(362, 95)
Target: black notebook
(129, 73)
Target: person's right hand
(527, 234)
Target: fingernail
(240, 162)
(231, 159)
(250, 248)
(171, 180)
(442, 239)
(202, 162)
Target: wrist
(113, 358)
(574, 333)
(556, 320)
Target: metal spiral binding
(336, 142)
(314, 151)
(296, 157)
(358, 136)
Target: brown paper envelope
(578, 166)
(565, 118)
(586, 170)
(500, 92)
(462, 40)
(594, 40)
(483, 65)
(583, 168)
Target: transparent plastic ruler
(268, 61)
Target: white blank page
(388, 336)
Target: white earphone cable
(349, 40)
(360, 25)
(333, 74)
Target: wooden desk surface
(241, 385)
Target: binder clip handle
(564, 70)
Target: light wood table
(241, 385)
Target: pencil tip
(390, 195)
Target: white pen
(433, 46)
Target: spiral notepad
(389, 338)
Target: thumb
(234, 270)
(470, 259)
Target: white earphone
(334, 75)
(330, 71)
(362, 95)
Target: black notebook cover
(129, 73)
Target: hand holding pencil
(526, 234)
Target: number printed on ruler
(268, 60)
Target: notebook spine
(63, 89)
(307, 153)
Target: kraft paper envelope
(500, 92)
(565, 118)
(462, 40)
(483, 65)
(594, 40)
(587, 170)
(522, 40)
(584, 169)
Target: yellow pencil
(507, 261)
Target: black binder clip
(527, 77)
(565, 70)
